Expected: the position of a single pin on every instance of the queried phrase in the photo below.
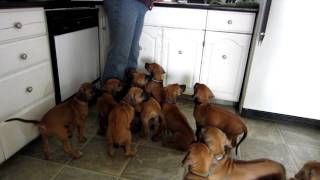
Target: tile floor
(291, 145)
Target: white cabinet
(26, 81)
(150, 46)
(224, 62)
(182, 53)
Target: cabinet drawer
(23, 88)
(18, 23)
(176, 17)
(18, 55)
(238, 22)
(22, 133)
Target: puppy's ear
(211, 95)
(195, 86)
(162, 70)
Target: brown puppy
(199, 161)
(209, 114)
(223, 167)
(150, 109)
(155, 86)
(60, 119)
(119, 121)
(175, 121)
(106, 102)
(310, 171)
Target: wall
(285, 70)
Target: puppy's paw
(82, 140)
(131, 154)
(47, 157)
(78, 155)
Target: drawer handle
(180, 52)
(29, 89)
(24, 56)
(224, 56)
(18, 25)
(230, 21)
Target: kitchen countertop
(69, 4)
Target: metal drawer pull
(24, 56)
(180, 52)
(230, 21)
(18, 25)
(224, 56)
(29, 89)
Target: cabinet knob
(180, 52)
(18, 25)
(230, 21)
(29, 89)
(224, 56)
(24, 56)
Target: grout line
(91, 171)
(287, 147)
(56, 175)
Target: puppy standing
(119, 121)
(208, 114)
(106, 102)
(175, 121)
(155, 86)
(223, 167)
(63, 116)
(310, 171)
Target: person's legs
(122, 19)
(134, 52)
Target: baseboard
(249, 113)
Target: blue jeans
(125, 19)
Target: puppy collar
(203, 175)
(157, 81)
(219, 158)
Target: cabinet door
(182, 54)
(224, 62)
(150, 46)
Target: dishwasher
(74, 44)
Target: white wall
(285, 71)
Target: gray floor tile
(24, 168)
(152, 163)
(80, 174)
(303, 154)
(256, 149)
(263, 130)
(95, 158)
(300, 136)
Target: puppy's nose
(183, 87)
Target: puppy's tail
(23, 120)
(245, 132)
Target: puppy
(155, 86)
(61, 118)
(148, 110)
(209, 114)
(223, 167)
(175, 121)
(119, 121)
(106, 102)
(199, 160)
(310, 171)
